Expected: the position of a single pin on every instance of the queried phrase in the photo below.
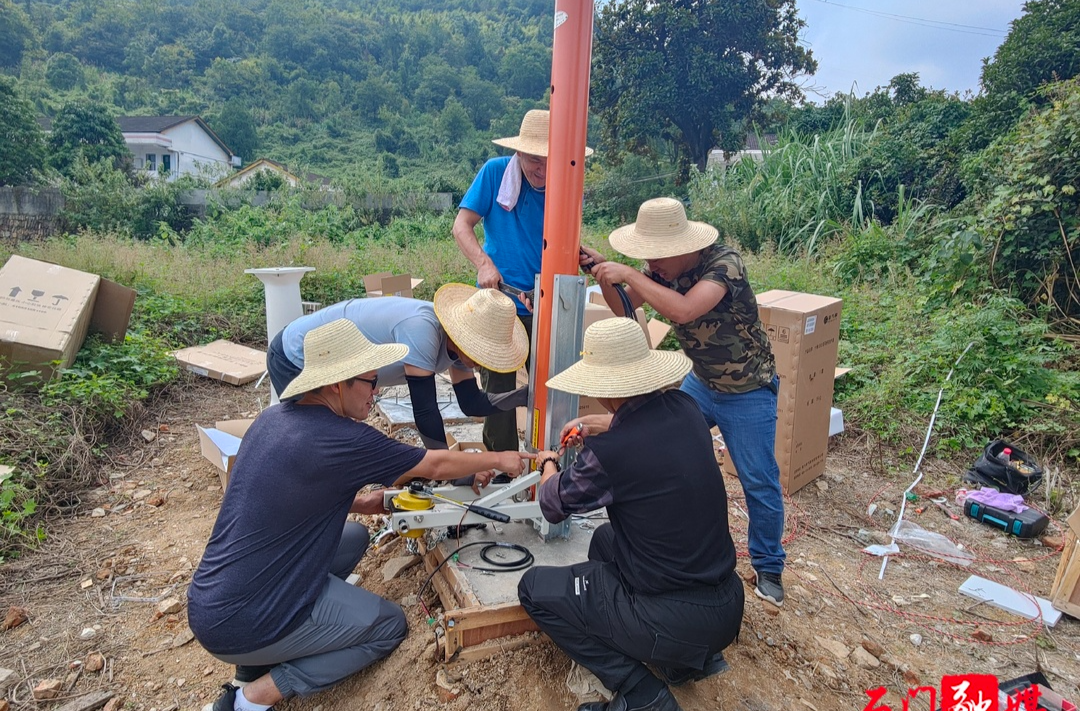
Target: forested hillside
(342, 88)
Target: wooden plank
(1066, 592)
(1063, 563)
(468, 655)
(482, 616)
(455, 579)
(473, 637)
(88, 702)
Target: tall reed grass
(801, 193)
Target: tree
(22, 149)
(236, 127)
(86, 129)
(1043, 46)
(692, 70)
(64, 71)
(16, 34)
(1031, 215)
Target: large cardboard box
(455, 446)
(1065, 594)
(804, 332)
(390, 284)
(220, 443)
(225, 361)
(46, 310)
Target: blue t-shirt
(514, 239)
(382, 319)
(296, 474)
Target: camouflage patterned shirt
(728, 345)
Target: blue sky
(945, 41)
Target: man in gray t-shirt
(485, 332)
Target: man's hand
(369, 503)
(589, 256)
(513, 463)
(612, 273)
(488, 275)
(590, 425)
(482, 479)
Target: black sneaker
(770, 587)
(664, 701)
(676, 676)
(247, 674)
(225, 702)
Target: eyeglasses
(373, 382)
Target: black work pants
(613, 632)
(500, 433)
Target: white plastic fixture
(283, 306)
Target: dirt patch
(95, 585)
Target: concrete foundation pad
(499, 588)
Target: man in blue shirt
(507, 195)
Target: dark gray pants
(348, 629)
(613, 632)
(500, 433)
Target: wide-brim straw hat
(662, 230)
(483, 323)
(338, 351)
(617, 362)
(532, 137)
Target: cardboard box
(225, 361)
(804, 332)
(389, 284)
(220, 443)
(455, 446)
(1065, 593)
(46, 311)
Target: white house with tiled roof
(171, 146)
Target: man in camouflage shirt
(701, 287)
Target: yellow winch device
(408, 501)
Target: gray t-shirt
(382, 319)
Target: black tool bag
(989, 470)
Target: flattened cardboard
(220, 443)
(389, 284)
(225, 361)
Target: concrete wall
(28, 214)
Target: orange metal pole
(570, 69)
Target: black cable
(628, 306)
(525, 561)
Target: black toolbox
(1028, 524)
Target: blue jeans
(748, 423)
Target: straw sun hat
(338, 351)
(617, 362)
(532, 137)
(662, 230)
(483, 323)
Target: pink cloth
(1005, 502)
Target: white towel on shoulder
(510, 187)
